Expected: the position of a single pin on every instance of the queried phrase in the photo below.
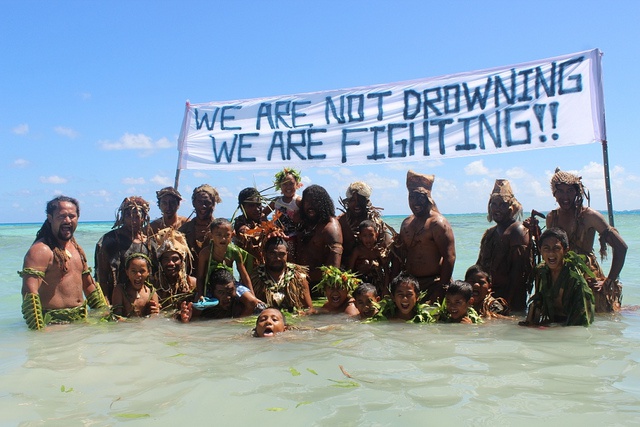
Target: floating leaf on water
(178, 355)
(344, 383)
(173, 343)
(336, 342)
(294, 372)
(126, 415)
(276, 409)
(306, 402)
(66, 390)
(312, 371)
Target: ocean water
(332, 371)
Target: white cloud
(476, 168)
(135, 142)
(68, 132)
(21, 129)
(133, 181)
(516, 173)
(162, 181)
(20, 163)
(199, 174)
(53, 179)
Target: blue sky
(92, 93)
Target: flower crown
(282, 175)
(336, 278)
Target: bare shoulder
(593, 218)
(517, 234)
(332, 228)
(38, 255)
(438, 221)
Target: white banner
(541, 104)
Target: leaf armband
(32, 312)
(96, 298)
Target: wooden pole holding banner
(607, 181)
(181, 138)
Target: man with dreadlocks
(169, 202)
(319, 241)
(204, 200)
(128, 235)
(504, 249)
(55, 273)
(581, 223)
(357, 207)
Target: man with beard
(320, 238)
(357, 208)
(504, 249)
(425, 247)
(169, 202)
(581, 224)
(281, 284)
(55, 274)
(204, 199)
(129, 236)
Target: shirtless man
(426, 247)
(320, 238)
(504, 248)
(128, 236)
(357, 208)
(169, 202)
(581, 224)
(204, 200)
(55, 274)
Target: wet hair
(137, 255)
(404, 278)
(460, 287)
(367, 223)
(284, 319)
(363, 289)
(322, 201)
(558, 233)
(221, 276)
(275, 241)
(218, 222)
(54, 204)
(476, 269)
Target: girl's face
(368, 237)
(552, 253)
(336, 296)
(137, 272)
(269, 323)
(288, 186)
(405, 299)
(222, 235)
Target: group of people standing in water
(280, 253)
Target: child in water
(337, 286)
(458, 304)
(562, 293)
(483, 300)
(269, 323)
(403, 303)
(136, 297)
(368, 259)
(366, 300)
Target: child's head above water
(269, 322)
(405, 291)
(367, 234)
(480, 282)
(337, 286)
(222, 287)
(366, 298)
(137, 267)
(458, 298)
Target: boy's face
(336, 296)
(137, 272)
(269, 323)
(552, 253)
(288, 186)
(405, 299)
(480, 285)
(457, 306)
(365, 303)
(169, 205)
(368, 237)
(222, 235)
(224, 294)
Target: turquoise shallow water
(158, 371)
